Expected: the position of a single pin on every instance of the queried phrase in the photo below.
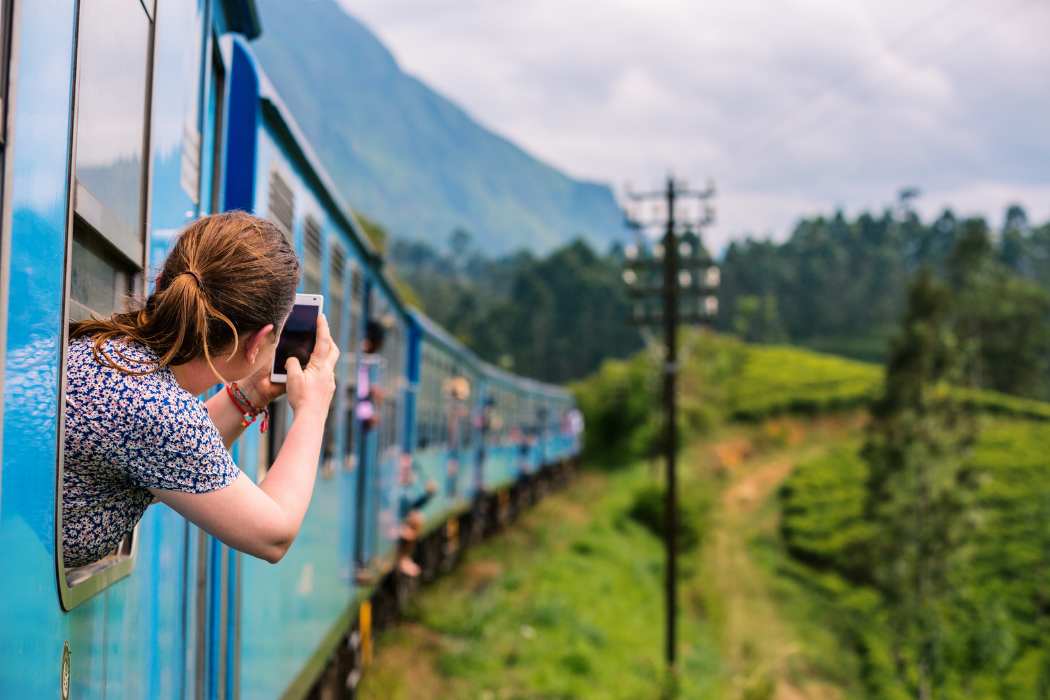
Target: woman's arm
(263, 520)
(228, 419)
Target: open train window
(106, 236)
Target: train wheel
(428, 553)
(404, 588)
(355, 644)
(450, 544)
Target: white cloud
(950, 95)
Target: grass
(725, 380)
(568, 602)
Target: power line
(850, 73)
(833, 113)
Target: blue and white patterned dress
(123, 435)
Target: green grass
(567, 604)
(726, 380)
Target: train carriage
(122, 121)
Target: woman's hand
(310, 389)
(260, 390)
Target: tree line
(836, 285)
(554, 318)
(841, 286)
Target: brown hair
(227, 274)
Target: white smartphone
(298, 336)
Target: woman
(134, 429)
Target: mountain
(409, 158)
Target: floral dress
(125, 434)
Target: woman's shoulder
(149, 389)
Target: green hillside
(406, 156)
(775, 601)
(990, 617)
(726, 380)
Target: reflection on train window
(113, 43)
(108, 201)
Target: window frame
(114, 567)
(9, 41)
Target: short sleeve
(177, 448)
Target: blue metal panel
(242, 123)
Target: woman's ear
(255, 343)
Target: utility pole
(679, 272)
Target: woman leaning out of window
(134, 429)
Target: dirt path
(765, 655)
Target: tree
(920, 489)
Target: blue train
(120, 122)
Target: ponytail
(228, 274)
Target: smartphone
(298, 336)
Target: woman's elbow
(271, 552)
(274, 554)
(279, 545)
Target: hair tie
(196, 276)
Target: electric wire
(827, 116)
(850, 73)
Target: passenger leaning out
(134, 427)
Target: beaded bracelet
(251, 412)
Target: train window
(108, 202)
(311, 256)
(282, 203)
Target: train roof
(276, 112)
(436, 333)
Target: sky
(794, 107)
